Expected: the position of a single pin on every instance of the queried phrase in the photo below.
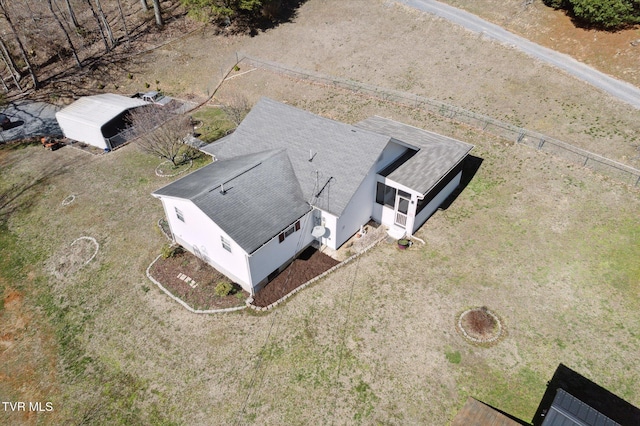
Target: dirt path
(620, 89)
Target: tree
(160, 131)
(4, 13)
(97, 19)
(72, 14)
(606, 14)
(124, 23)
(66, 34)
(236, 109)
(157, 11)
(205, 9)
(105, 23)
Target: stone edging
(249, 301)
(159, 174)
(481, 341)
(182, 302)
(70, 199)
(93, 240)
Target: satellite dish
(318, 231)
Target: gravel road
(624, 91)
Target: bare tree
(157, 10)
(124, 23)
(95, 17)
(236, 109)
(160, 131)
(23, 52)
(72, 15)
(105, 23)
(66, 34)
(11, 66)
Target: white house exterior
(285, 171)
(96, 119)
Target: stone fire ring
(497, 333)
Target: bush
(170, 251)
(609, 14)
(223, 288)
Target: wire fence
(488, 124)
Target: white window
(179, 214)
(226, 244)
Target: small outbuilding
(98, 120)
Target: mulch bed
(203, 296)
(308, 265)
(480, 326)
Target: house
(286, 178)
(97, 120)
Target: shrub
(170, 251)
(223, 288)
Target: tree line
(605, 14)
(35, 35)
(40, 39)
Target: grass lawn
(549, 247)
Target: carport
(97, 120)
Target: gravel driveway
(624, 91)
(30, 119)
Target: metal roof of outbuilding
(97, 110)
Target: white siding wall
(81, 132)
(200, 231)
(359, 210)
(275, 253)
(330, 236)
(435, 203)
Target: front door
(401, 210)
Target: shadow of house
(570, 400)
(569, 391)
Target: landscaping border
(249, 301)
(182, 302)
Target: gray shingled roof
(262, 196)
(436, 156)
(339, 150)
(567, 410)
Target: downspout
(246, 258)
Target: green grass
(454, 357)
(214, 123)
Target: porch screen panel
(390, 197)
(403, 206)
(385, 195)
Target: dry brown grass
(549, 246)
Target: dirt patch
(12, 299)
(194, 282)
(308, 265)
(480, 325)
